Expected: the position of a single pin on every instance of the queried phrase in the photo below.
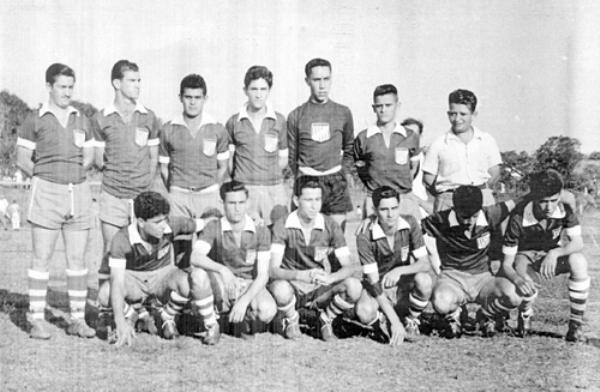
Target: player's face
(388, 212)
(466, 220)
(193, 101)
(129, 85)
(234, 206)
(61, 91)
(461, 117)
(309, 203)
(257, 93)
(386, 107)
(548, 205)
(154, 228)
(319, 82)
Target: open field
(543, 362)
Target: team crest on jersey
(250, 256)
(319, 132)
(321, 253)
(556, 233)
(141, 136)
(209, 147)
(483, 241)
(78, 137)
(162, 252)
(401, 155)
(271, 143)
(404, 253)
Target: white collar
(529, 218)
(111, 108)
(248, 224)
(481, 219)
(377, 232)
(45, 108)
(477, 134)
(244, 112)
(374, 130)
(293, 221)
(206, 119)
(136, 238)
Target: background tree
(13, 111)
(560, 153)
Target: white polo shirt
(456, 163)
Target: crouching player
(306, 244)
(236, 253)
(461, 237)
(384, 251)
(141, 265)
(532, 247)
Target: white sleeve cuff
(283, 153)
(573, 231)
(370, 268)
(89, 143)
(28, 144)
(163, 159)
(277, 249)
(232, 148)
(202, 247)
(510, 250)
(263, 256)
(200, 224)
(100, 143)
(344, 251)
(420, 252)
(223, 155)
(116, 263)
(153, 142)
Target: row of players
(56, 144)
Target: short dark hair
(385, 89)
(193, 81)
(317, 62)
(545, 183)
(56, 70)
(413, 121)
(303, 182)
(258, 72)
(463, 97)
(384, 192)
(232, 186)
(148, 205)
(467, 200)
(120, 67)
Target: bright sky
(513, 54)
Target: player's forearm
(279, 273)
(206, 263)
(259, 283)
(24, 162)
(345, 272)
(575, 245)
(508, 268)
(422, 265)
(387, 308)
(494, 173)
(99, 157)
(117, 299)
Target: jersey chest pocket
(401, 155)
(320, 253)
(141, 136)
(250, 256)
(404, 253)
(271, 142)
(209, 147)
(78, 137)
(320, 132)
(483, 241)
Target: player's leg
(579, 287)
(345, 296)
(75, 245)
(172, 288)
(418, 298)
(285, 298)
(203, 301)
(447, 298)
(523, 266)
(497, 298)
(263, 307)
(43, 241)
(367, 309)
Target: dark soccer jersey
(129, 249)
(126, 150)
(526, 232)
(320, 137)
(386, 165)
(460, 249)
(58, 150)
(325, 246)
(375, 253)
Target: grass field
(542, 362)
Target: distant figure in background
(14, 215)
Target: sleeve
(337, 240)
(263, 248)
(496, 213)
(154, 131)
(279, 237)
(164, 155)
(365, 253)
(292, 141)
(417, 244)
(222, 143)
(512, 234)
(431, 163)
(360, 161)
(571, 223)
(206, 238)
(230, 127)
(429, 225)
(494, 157)
(98, 131)
(348, 142)
(283, 145)
(26, 136)
(415, 148)
(119, 248)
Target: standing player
(62, 140)
(463, 156)
(418, 186)
(258, 137)
(127, 151)
(141, 265)
(386, 153)
(532, 247)
(193, 153)
(320, 136)
(236, 253)
(392, 282)
(306, 245)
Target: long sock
(289, 311)
(174, 306)
(526, 307)
(336, 307)
(496, 308)
(206, 309)
(77, 289)
(454, 316)
(578, 294)
(416, 305)
(38, 288)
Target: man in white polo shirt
(463, 156)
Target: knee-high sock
(578, 294)
(416, 305)
(289, 311)
(206, 309)
(38, 288)
(336, 307)
(77, 289)
(526, 307)
(174, 306)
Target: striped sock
(289, 311)
(526, 307)
(174, 306)
(206, 309)
(416, 305)
(578, 294)
(336, 307)
(77, 289)
(454, 316)
(495, 308)
(38, 288)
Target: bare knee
(366, 309)
(578, 266)
(266, 308)
(444, 301)
(352, 289)
(423, 284)
(507, 290)
(282, 292)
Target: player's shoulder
(330, 224)
(232, 120)
(362, 135)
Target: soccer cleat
(523, 324)
(411, 325)
(213, 334)
(39, 330)
(326, 329)
(78, 327)
(169, 329)
(575, 333)
(146, 324)
(453, 329)
(291, 328)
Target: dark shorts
(536, 257)
(311, 295)
(336, 197)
